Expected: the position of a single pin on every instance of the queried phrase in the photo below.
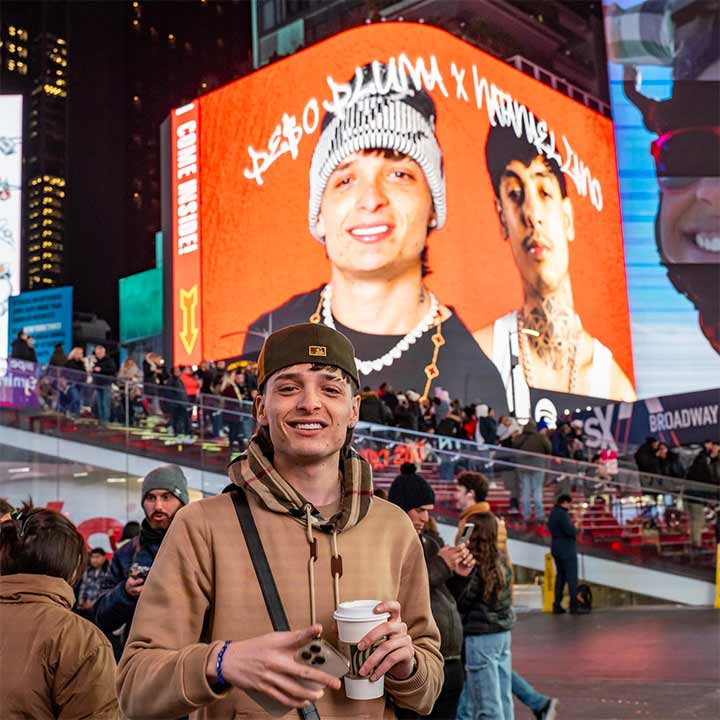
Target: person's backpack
(584, 598)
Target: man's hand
(396, 653)
(450, 555)
(456, 556)
(134, 585)
(466, 563)
(267, 665)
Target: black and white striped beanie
(389, 113)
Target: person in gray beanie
(376, 193)
(164, 492)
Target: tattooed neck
(558, 328)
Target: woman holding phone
(484, 600)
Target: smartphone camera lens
(315, 648)
(306, 655)
(319, 660)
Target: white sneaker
(550, 712)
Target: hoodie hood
(255, 474)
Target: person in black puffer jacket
(414, 495)
(485, 604)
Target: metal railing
(627, 510)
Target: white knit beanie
(391, 113)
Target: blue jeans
(527, 694)
(102, 402)
(487, 694)
(521, 688)
(531, 481)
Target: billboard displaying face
(665, 93)
(10, 207)
(451, 215)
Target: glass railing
(623, 511)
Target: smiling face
(375, 214)
(689, 222)
(538, 222)
(307, 410)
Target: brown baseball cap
(306, 343)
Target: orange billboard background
(257, 250)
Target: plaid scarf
(253, 472)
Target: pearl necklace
(368, 366)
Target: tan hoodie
(202, 590)
(54, 663)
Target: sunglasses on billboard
(684, 156)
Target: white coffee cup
(355, 619)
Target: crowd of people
(205, 400)
(656, 457)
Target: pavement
(661, 663)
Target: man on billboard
(546, 333)
(377, 189)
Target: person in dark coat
(646, 456)
(705, 469)
(373, 409)
(104, 374)
(22, 349)
(177, 401)
(564, 552)
(668, 462)
(414, 495)
(164, 492)
(531, 440)
(58, 357)
(560, 439)
(487, 424)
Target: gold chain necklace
(528, 364)
(431, 371)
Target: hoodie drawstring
(336, 566)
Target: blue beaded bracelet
(218, 664)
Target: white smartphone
(466, 533)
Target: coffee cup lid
(359, 611)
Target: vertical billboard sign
(10, 207)
(664, 68)
(185, 144)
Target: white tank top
(505, 339)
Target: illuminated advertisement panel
(186, 311)
(664, 68)
(10, 207)
(458, 220)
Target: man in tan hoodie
(201, 635)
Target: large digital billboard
(10, 206)
(664, 68)
(454, 217)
